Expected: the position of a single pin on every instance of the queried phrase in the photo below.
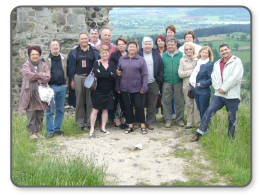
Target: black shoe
(80, 128)
(188, 127)
(50, 135)
(60, 132)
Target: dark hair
(223, 45)
(37, 48)
(162, 37)
(121, 39)
(189, 32)
(172, 28)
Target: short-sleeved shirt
(84, 61)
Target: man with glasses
(57, 63)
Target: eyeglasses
(93, 29)
(188, 49)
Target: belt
(86, 74)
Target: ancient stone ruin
(37, 25)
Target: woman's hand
(119, 92)
(141, 92)
(198, 84)
(98, 70)
(118, 72)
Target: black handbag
(190, 93)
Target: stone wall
(37, 25)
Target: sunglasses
(93, 29)
(188, 49)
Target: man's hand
(72, 85)
(221, 91)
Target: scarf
(196, 70)
(35, 68)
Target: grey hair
(171, 39)
(145, 39)
(52, 40)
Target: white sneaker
(92, 135)
(105, 132)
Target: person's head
(204, 53)
(189, 49)
(171, 43)
(121, 43)
(83, 40)
(189, 36)
(225, 51)
(132, 47)
(170, 31)
(104, 52)
(106, 36)
(160, 41)
(34, 53)
(147, 44)
(137, 42)
(54, 47)
(93, 35)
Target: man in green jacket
(172, 84)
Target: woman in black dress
(102, 97)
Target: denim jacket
(204, 78)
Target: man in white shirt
(226, 80)
(94, 37)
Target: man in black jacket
(155, 79)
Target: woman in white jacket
(226, 80)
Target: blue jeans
(58, 102)
(216, 104)
(202, 101)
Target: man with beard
(57, 63)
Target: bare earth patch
(166, 156)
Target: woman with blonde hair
(187, 63)
(200, 79)
(102, 97)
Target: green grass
(31, 168)
(231, 157)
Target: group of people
(132, 79)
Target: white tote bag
(45, 93)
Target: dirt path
(167, 156)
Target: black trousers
(131, 101)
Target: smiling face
(104, 54)
(83, 40)
(34, 56)
(204, 54)
(170, 33)
(147, 47)
(54, 47)
(121, 46)
(225, 52)
(189, 38)
(160, 43)
(171, 46)
(106, 36)
(93, 36)
(189, 51)
(132, 49)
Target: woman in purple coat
(34, 72)
(132, 84)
